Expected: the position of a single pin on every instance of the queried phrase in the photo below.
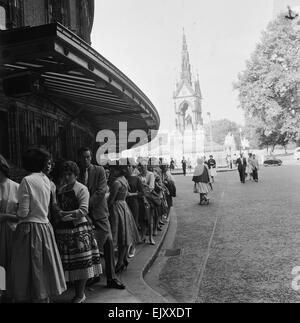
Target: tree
(269, 88)
(252, 132)
(220, 130)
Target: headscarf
(200, 167)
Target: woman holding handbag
(202, 180)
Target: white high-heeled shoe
(78, 300)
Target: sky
(143, 38)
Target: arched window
(2, 18)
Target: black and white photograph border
(149, 154)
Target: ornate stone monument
(189, 135)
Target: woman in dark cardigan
(202, 181)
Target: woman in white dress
(8, 219)
(36, 268)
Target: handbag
(153, 198)
(172, 188)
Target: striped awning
(72, 74)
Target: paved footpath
(241, 248)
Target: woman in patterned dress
(75, 238)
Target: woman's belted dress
(123, 226)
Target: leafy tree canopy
(220, 130)
(269, 87)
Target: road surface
(241, 248)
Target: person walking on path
(242, 165)
(172, 165)
(212, 165)
(184, 165)
(36, 267)
(202, 180)
(255, 165)
(94, 178)
(249, 169)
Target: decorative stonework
(188, 109)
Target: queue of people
(57, 222)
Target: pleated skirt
(36, 267)
(204, 188)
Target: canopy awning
(73, 75)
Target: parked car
(272, 161)
(297, 154)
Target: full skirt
(203, 188)
(79, 252)
(6, 241)
(123, 226)
(36, 268)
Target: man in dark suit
(184, 163)
(94, 178)
(242, 165)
